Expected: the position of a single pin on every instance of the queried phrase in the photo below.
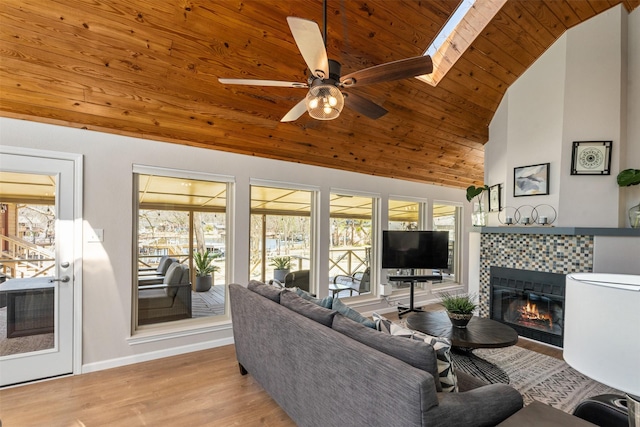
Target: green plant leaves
(203, 262)
(629, 177)
(473, 191)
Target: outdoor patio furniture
(359, 282)
(160, 270)
(170, 300)
(298, 279)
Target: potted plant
(479, 215)
(460, 308)
(627, 178)
(282, 266)
(204, 270)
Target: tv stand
(402, 310)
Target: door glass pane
(178, 218)
(27, 262)
(280, 233)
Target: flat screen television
(415, 249)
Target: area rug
(543, 378)
(9, 346)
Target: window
(281, 228)
(405, 215)
(350, 246)
(447, 218)
(177, 217)
(462, 28)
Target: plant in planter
(282, 266)
(627, 178)
(459, 308)
(479, 216)
(204, 270)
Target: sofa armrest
(468, 382)
(483, 406)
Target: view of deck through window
(280, 240)
(179, 218)
(446, 218)
(350, 244)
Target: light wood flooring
(203, 388)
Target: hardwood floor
(203, 388)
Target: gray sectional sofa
(325, 369)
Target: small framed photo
(591, 158)
(495, 194)
(531, 180)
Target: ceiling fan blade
(294, 114)
(364, 106)
(390, 71)
(309, 40)
(252, 82)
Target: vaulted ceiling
(150, 69)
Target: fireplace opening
(531, 302)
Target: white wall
(584, 88)
(107, 266)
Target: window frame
(137, 170)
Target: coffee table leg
(466, 361)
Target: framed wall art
(495, 202)
(591, 158)
(531, 180)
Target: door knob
(63, 279)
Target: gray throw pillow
(326, 302)
(308, 309)
(352, 314)
(268, 291)
(416, 353)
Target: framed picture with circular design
(591, 158)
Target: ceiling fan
(325, 99)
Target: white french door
(40, 259)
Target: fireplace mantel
(567, 231)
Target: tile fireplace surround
(561, 250)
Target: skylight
(462, 28)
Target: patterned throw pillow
(441, 345)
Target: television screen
(415, 249)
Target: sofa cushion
(441, 346)
(352, 314)
(294, 302)
(326, 302)
(268, 291)
(416, 353)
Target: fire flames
(530, 313)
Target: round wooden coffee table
(479, 333)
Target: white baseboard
(145, 357)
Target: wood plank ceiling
(149, 68)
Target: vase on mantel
(634, 216)
(479, 217)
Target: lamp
(324, 101)
(601, 333)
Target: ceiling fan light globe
(324, 102)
